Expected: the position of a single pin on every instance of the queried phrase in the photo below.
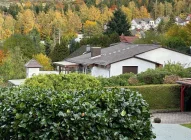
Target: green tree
(60, 52)
(23, 42)
(13, 66)
(118, 24)
(177, 44)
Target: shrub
(120, 80)
(171, 79)
(63, 81)
(153, 76)
(133, 81)
(176, 69)
(162, 96)
(29, 113)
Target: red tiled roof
(33, 64)
(128, 39)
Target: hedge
(63, 81)
(94, 114)
(162, 96)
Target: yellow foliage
(90, 23)
(44, 61)
(73, 21)
(94, 13)
(127, 12)
(25, 22)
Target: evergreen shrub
(63, 81)
(34, 113)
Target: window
(128, 69)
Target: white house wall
(164, 56)
(98, 71)
(31, 72)
(117, 68)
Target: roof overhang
(16, 82)
(65, 63)
(184, 81)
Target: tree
(92, 28)
(23, 42)
(44, 61)
(25, 25)
(60, 52)
(118, 24)
(177, 44)
(13, 66)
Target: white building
(123, 58)
(142, 23)
(32, 69)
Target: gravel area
(173, 117)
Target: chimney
(95, 51)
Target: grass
(187, 125)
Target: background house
(142, 23)
(123, 58)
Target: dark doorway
(128, 69)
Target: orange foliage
(2, 56)
(113, 7)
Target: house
(79, 37)
(122, 58)
(180, 21)
(142, 23)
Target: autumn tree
(25, 25)
(92, 28)
(73, 21)
(118, 24)
(2, 56)
(44, 61)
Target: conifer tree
(60, 52)
(118, 24)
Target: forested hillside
(155, 7)
(42, 29)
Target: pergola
(186, 82)
(65, 66)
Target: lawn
(187, 125)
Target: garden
(77, 106)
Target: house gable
(164, 55)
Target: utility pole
(156, 8)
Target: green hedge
(63, 81)
(117, 114)
(162, 96)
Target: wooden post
(182, 98)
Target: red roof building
(128, 39)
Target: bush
(133, 81)
(153, 76)
(120, 80)
(63, 81)
(29, 113)
(162, 96)
(171, 79)
(176, 69)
